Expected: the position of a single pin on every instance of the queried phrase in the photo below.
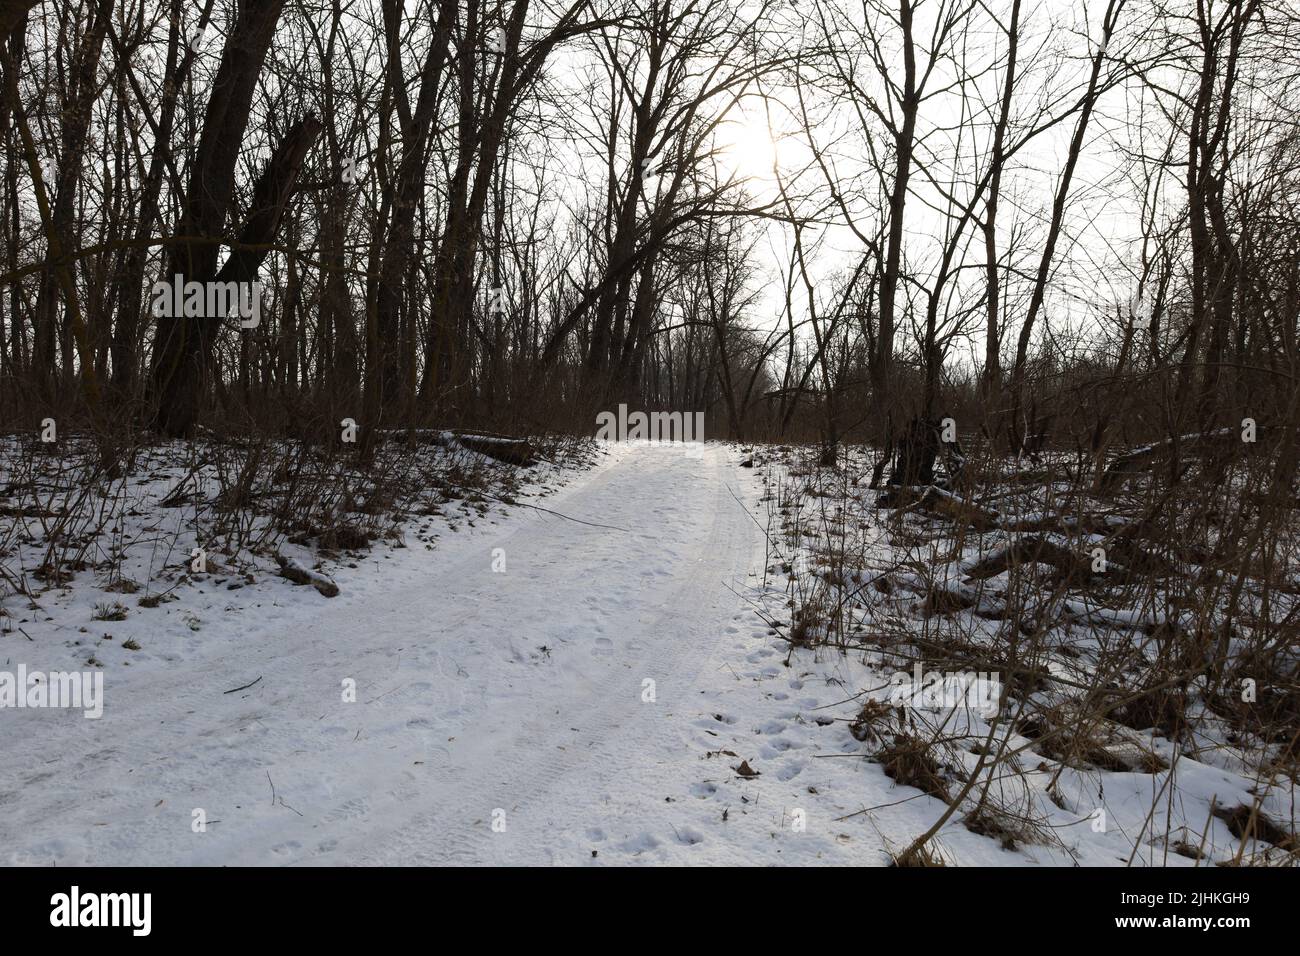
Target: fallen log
(299, 573)
(1030, 551)
(1150, 622)
(1140, 459)
(944, 504)
(512, 451)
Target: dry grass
(908, 762)
(922, 856)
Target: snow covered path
(518, 697)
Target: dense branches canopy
(816, 219)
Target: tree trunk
(183, 346)
(179, 394)
(12, 13)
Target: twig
(245, 687)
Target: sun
(748, 149)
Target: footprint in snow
(789, 770)
(689, 836)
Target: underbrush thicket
(145, 524)
(1139, 618)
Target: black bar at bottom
(242, 906)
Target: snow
(476, 690)
(590, 683)
(1126, 617)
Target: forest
(971, 326)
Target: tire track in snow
(552, 791)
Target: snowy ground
(477, 690)
(588, 687)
